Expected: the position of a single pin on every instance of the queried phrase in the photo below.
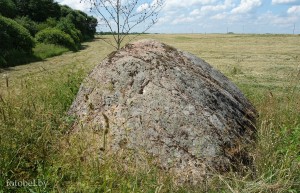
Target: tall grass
(44, 51)
(35, 145)
(35, 142)
(32, 120)
(277, 153)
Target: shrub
(30, 25)
(14, 39)
(2, 61)
(49, 23)
(57, 37)
(8, 8)
(68, 27)
(14, 36)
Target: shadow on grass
(17, 59)
(83, 47)
(40, 52)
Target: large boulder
(152, 98)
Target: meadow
(35, 143)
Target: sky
(221, 16)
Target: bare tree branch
(122, 16)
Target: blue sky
(220, 16)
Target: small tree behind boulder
(122, 17)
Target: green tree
(8, 8)
(22, 7)
(65, 10)
(68, 27)
(84, 23)
(29, 24)
(38, 10)
(91, 27)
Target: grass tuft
(44, 51)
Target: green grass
(33, 120)
(35, 142)
(44, 51)
(40, 52)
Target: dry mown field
(33, 117)
(268, 61)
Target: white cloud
(195, 12)
(171, 4)
(142, 7)
(219, 7)
(208, 10)
(246, 6)
(283, 1)
(181, 16)
(294, 10)
(219, 16)
(277, 20)
(75, 4)
(183, 19)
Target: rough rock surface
(153, 98)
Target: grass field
(34, 99)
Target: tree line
(26, 23)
